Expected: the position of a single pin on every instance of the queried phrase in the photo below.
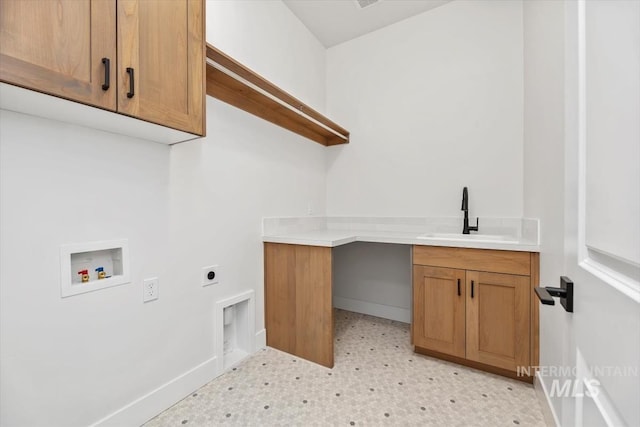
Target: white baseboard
(151, 404)
(261, 339)
(373, 309)
(550, 416)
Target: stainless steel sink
(489, 238)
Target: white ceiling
(336, 21)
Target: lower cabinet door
(439, 309)
(498, 319)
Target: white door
(602, 211)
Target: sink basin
(490, 238)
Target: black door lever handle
(565, 292)
(544, 296)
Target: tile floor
(376, 380)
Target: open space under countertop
(514, 234)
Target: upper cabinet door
(57, 47)
(161, 62)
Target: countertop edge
(402, 240)
(297, 240)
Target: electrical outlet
(210, 275)
(150, 289)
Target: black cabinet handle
(107, 73)
(131, 83)
(458, 287)
(472, 288)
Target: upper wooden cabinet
(57, 47)
(148, 63)
(161, 55)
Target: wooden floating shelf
(233, 83)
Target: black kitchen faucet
(465, 207)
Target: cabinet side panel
(280, 296)
(313, 305)
(197, 82)
(535, 310)
(522, 317)
(417, 313)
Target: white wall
(68, 362)
(75, 361)
(222, 186)
(246, 168)
(269, 39)
(544, 160)
(373, 278)
(433, 103)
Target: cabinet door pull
(472, 288)
(458, 287)
(131, 83)
(107, 73)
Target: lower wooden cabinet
(482, 316)
(470, 306)
(298, 301)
